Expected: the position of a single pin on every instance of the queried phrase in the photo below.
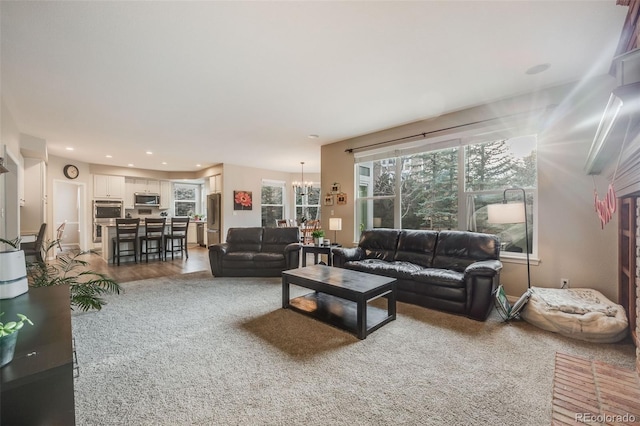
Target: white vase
(318, 241)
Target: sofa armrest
(292, 255)
(216, 253)
(484, 267)
(481, 280)
(342, 255)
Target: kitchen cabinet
(215, 184)
(147, 186)
(129, 190)
(165, 194)
(105, 186)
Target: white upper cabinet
(108, 186)
(147, 186)
(165, 194)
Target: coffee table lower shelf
(338, 312)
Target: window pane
(270, 214)
(512, 237)
(183, 192)
(384, 175)
(184, 208)
(429, 191)
(313, 196)
(272, 195)
(381, 213)
(501, 164)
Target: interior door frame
(84, 230)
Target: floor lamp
(512, 213)
(335, 225)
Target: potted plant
(318, 237)
(9, 337)
(86, 286)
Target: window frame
(197, 200)
(462, 214)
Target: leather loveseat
(256, 252)
(453, 271)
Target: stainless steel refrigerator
(213, 218)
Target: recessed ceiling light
(130, 164)
(313, 136)
(149, 152)
(69, 148)
(164, 163)
(109, 156)
(198, 165)
(537, 69)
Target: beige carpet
(594, 392)
(194, 350)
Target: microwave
(146, 199)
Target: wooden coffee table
(341, 297)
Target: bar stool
(178, 232)
(126, 233)
(153, 232)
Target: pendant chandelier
(302, 186)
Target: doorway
(68, 209)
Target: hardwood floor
(198, 261)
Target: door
(627, 227)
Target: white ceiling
(247, 82)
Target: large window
(307, 203)
(450, 189)
(186, 199)
(272, 202)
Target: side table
(316, 250)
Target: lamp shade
(506, 213)
(335, 224)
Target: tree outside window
(307, 203)
(186, 199)
(272, 201)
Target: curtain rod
(424, 134)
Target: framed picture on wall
(242, 200)
(335, 188)
(341, 198)
(328, 200)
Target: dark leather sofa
(256, 252)
(453, 271)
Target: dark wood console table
(37, 386)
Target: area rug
(198, 350)
(594, 392)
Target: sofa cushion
(388, 269)
(239, 259)
(417, 247)
(379, 243)
(244, 239)
(274, 240)
(458, 249)
(440, 277)
(269, 260)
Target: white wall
(571, 243)
(240, 178)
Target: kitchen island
(109, 233)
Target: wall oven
(105, 212)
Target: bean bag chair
(580, 313)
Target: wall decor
(328, 200)
(341, 198)
(335, 188)
(242, 200)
